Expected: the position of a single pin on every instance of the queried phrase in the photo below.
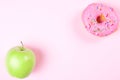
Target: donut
(100, 20)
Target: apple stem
(22, 48)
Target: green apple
(20, 61)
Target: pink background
(54, 31)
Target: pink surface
(63, 47)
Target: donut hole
(100, 18)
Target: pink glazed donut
(100, 19)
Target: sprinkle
(97, 7)
(107, 15)
(98, 29)
(110, 21)
(112, 24)
(111, 9)
(89, 26)
(107, 25)
(93, 22)
(94, 30)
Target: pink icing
(105, 28)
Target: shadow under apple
(39, 57)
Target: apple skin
(20, 62)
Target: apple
(20, 61)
